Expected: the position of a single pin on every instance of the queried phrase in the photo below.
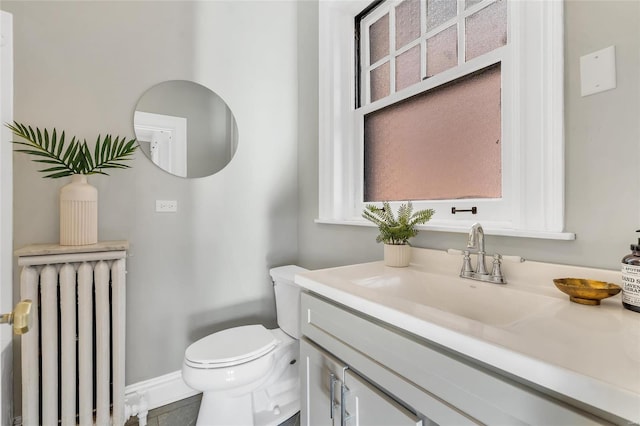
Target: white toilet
(248, 375)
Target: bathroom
(83, 66)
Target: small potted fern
(78, 199)
(395, 232)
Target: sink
(437, 296)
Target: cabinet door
(321, 380)
(366, 405)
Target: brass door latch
(20, 318)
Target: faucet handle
(496, 273)
(467, 269)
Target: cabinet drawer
(444, 386)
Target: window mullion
(392, 50)
(365, 68)
(461, 32)
(423, 39)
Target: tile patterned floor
(184, 413)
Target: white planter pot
(397, 256)
(78, 213)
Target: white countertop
(526, 328)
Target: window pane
(486, 30)
(442, 51)
(379, 39)
(407, 22)
(439, 11)
(408, 68)
(380, 82)
(470, 3)
(443, 144)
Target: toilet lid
(232, 346)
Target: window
(448, 104)
(404, 43)
(445, 142)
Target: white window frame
(532, 115)
(492, 212)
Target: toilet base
(275, 400)
(218, 411)
(274, 404)
(267, 418)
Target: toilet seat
(229, 347)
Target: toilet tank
(287, 295)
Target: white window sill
(488, 230)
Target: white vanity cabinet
(321, 377)
(389, 372)
(336, 395)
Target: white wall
(602, 153)
(81, 66)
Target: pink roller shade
(443, 144)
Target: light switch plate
(598, 71)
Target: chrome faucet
(476, 242)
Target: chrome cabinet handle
(332, 382)
(344, 415)
(20, 318)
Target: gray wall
(602, 153)
(205, 267)
(81, 66)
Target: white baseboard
(159, 391)
(155, 392)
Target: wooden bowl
(586, 292)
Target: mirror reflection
(185, 128)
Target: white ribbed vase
(78, 213)
(397, 256)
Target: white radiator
(74, 354)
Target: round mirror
(185, 128)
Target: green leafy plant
(76, 157)
(396, 230)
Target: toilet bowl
(248, 375)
